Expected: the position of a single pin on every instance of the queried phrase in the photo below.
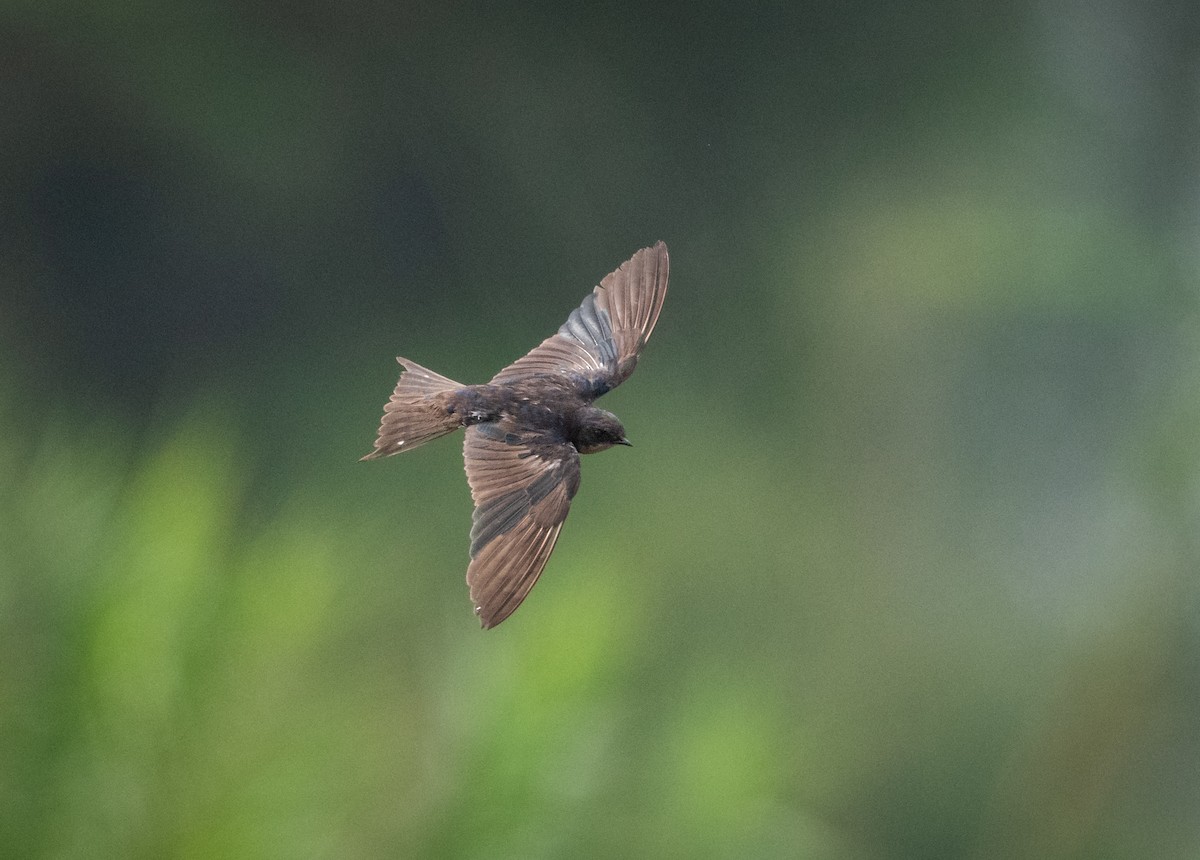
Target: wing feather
(602, 338)
(522, 484)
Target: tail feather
(417, 411)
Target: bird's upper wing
(522, 484)
(600, 342)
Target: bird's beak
(624, 441)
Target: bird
(528, 426)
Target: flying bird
(527, 427)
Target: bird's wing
(600, 342)
(522, 484)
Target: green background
(903, 564)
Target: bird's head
(598, 430)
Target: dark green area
(902, 564)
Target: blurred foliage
(903, 563)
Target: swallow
(527, 427)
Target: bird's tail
(419, 410)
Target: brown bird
(527, 427)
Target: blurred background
(903, 564)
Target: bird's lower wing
(522, 485)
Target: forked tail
(417, 411)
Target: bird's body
(527, 427)
(556, 407)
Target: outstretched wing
(522, 484)
(602, 338)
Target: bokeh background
(903, 564)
